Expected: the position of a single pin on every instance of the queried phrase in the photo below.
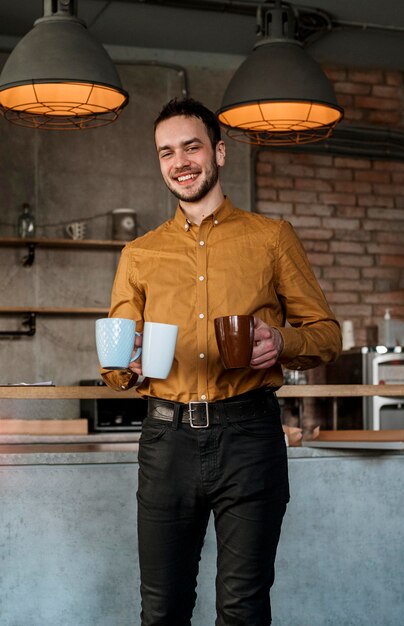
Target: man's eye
(164, 155)
(192, 148)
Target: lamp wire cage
(280, 96)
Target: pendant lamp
(59, 77)
(279, 95)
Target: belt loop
(223, 419)
(176, 416)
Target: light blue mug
(115, 340)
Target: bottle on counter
(26, 222)
(387, 330)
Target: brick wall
(348, 212)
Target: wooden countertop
(287, 391)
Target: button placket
(201, 308)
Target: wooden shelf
(45, 242)
(287, 391)
(43, 310)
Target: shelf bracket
(29, 321)
(28, 260)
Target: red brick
(351, 114)
(335, 73)
(355, 164)
(392, 260)
(374, 176)
(387, 215)
(354, 285)
(319, 259)
(277, 182)
(315, 233)
(339, 297)
(297, 170)
(381, 272)
(348, 311)
(398, 177)
(394, 78)
(334, 173)
(284, 208)
(347, 247)
(385, 91)
(355, 88)
(353, 260)
(304, 221)
(350, 211)
(340, 223)
(265, 193)
(391, 166)
(372, 201)
(380, 225)
(380, 248)
(312, 246)
(342, 272)
(337, 198)
(264, 168)
(393, 190)
(314, 209)
(372, 77)
(298, 196)
(390, 296)
(388, 118)
(312, 184)
(326, 285)
(345, 100)
(389, 237)
(353, 187)
(385, 104)
(317, 159)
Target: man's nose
(181, 160)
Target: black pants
(238, 471)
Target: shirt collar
(223, 211)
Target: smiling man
(212, 440)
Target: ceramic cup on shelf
(76, 230)
(235, 340)
(115, 341)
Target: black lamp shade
(58, 76)
(279, 95)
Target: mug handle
(138, 351)
(69, 230)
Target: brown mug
(235, 340)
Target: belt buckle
(206, 415)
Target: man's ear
(220, 153)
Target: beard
(210, 180)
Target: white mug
(76, 230)
(158, 348)
(115, 340)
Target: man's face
(188, 162)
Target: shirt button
(201, 278)
(201, 315)
(203, 397)
(216, 222)
(201, 356)
(186, 226)
(201, 243)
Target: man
(213, 440)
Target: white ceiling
(364, 33)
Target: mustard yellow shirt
(234, 262)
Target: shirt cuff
(119, 380)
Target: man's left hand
(268, 344)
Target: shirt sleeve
(127, 301)
(312, 335)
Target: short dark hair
(191, 108)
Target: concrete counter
(68, 548)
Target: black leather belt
(253, 404)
